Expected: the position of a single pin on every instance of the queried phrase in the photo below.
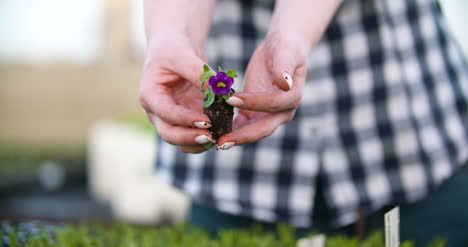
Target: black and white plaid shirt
(383, 121)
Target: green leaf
(220, 69)
(209, 145)
(438, 242)
(408, 243)
(206, 68)
(209, 101)
(207, 92)
(226, 96)
(202, 85)
(206, 76)
(209, 97)
(231, 73)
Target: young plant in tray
(215, 95)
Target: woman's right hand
(170, 91)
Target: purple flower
(221, 83)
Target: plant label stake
(392, 228)
(314, 241)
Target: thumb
(190, 67)
(282, 66)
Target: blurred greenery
(124, 235)
(139, 120)
(26, 160)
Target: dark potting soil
(221, 116)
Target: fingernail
(234, 101)
(288, 78)
(202, 125)
(202, 139)
(226, 146)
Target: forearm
(192, 17)
(200, 20)
(306, 18)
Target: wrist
(171, 38)
(161, 16)
(289, 39)
(172, 41)
(190, 18)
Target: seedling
(219, 90)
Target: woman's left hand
(272, 89)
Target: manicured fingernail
(234, 101)
(202, 125)
(227, 145)
(202, 139)
(288, 78)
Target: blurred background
(74, 143)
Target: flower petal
(217, 90)
(213, 81)
(223, 90)
(227, 90)
(221, 76)
(229, 81)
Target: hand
(272, 89)
(170, 91)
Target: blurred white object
(46, 30)
(138, 31)
(121, 173)
(149, 201)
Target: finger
(245, 117)
(259, 129)
(189, 66)
(158, 100)
(271, 101)
(282, 64)
(241, 119)
(178, 135)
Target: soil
(221, 116)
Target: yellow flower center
(221, 84)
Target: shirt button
(314, 131)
